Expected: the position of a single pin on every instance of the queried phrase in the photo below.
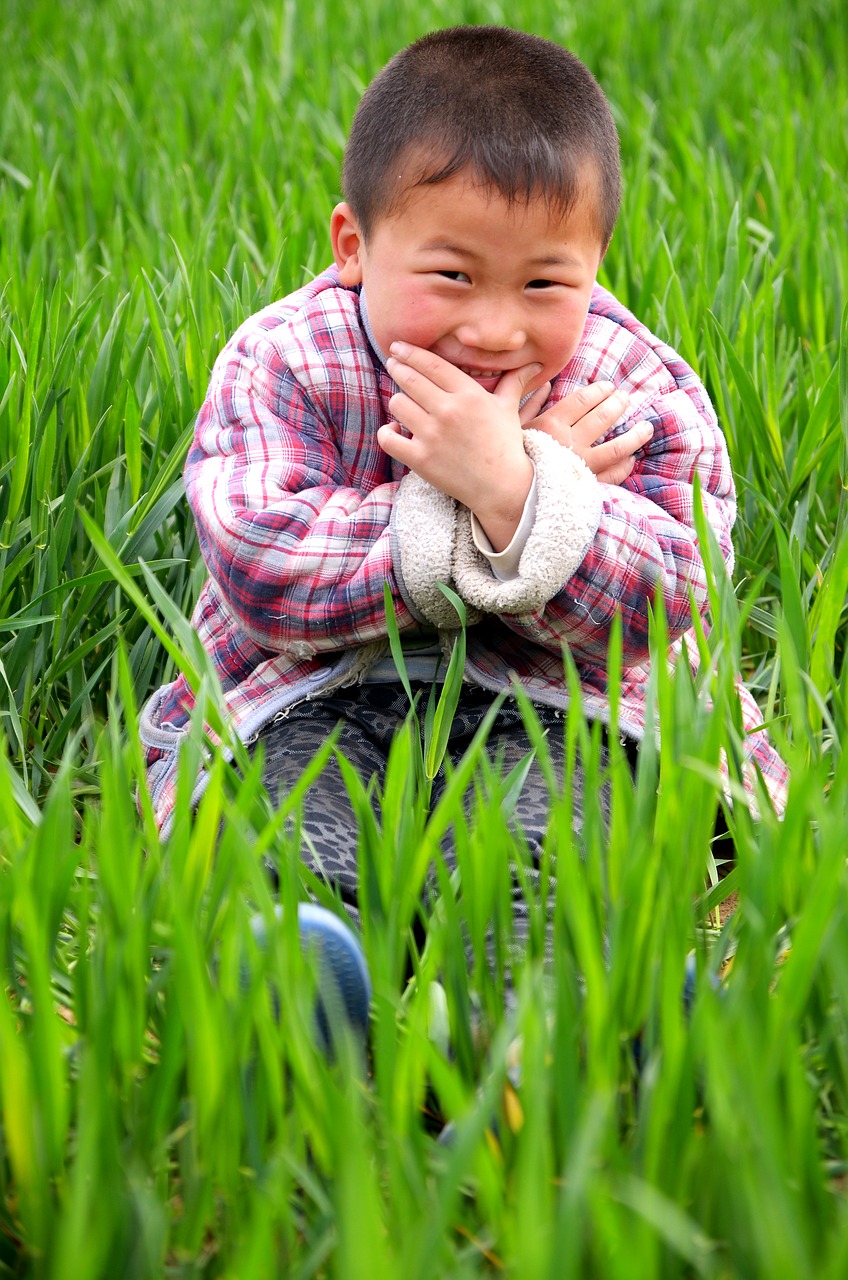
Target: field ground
(166, 169)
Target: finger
(583, 416)
(396, 428)
(628, 442)
(391, 439)
(415, 390)
(617, 474)
(582, 401)
(598, 421)
(408, 365)
(515, 382)
(614, 451)
(531, 408)
(413, 414)
(610, 451)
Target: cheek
(418, 316)
(562, 334)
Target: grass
(165, 170)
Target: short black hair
(523, 114)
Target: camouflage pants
(369, 716)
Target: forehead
(465, 214)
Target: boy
(455, 401)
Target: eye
(455, 275)
(541, 284)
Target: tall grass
(166, 169)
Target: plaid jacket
(302, 519)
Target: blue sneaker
(690, 980)
(344, 984)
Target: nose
(491, 324)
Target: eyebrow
(546, 260)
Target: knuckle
(557, 417)
(455, 415)
(613, 407)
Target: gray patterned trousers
(369, 716)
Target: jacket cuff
(569, 504)
(423, 531)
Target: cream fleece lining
(424, 522)
(436, 543)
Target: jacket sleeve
(642, 544)
(298, 547)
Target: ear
(348, 243)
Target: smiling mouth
(481, 373)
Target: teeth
(483, 373)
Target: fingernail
(605, 385)
(647, 429)
(400, 349)
(621, 399)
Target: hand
(462, 439)
(582, 417)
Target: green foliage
(165, 170)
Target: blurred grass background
(166, 169)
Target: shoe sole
(343, 982)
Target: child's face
(487, 286)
